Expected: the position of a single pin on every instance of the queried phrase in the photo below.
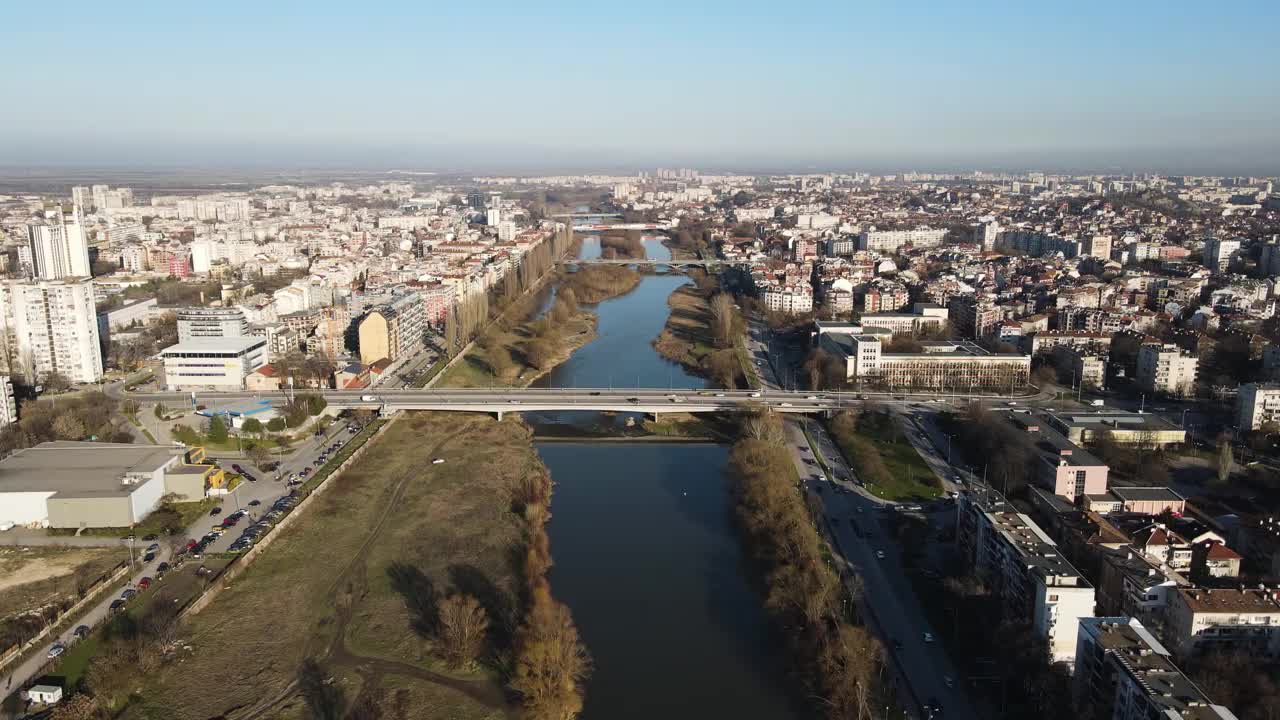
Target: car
(250, 478)
(144, 583)
(594, 393)
(162, 567)
(191, 543)
(149, 538)
(128, 593)
(148, 557)
(948, 681)
(513, 402)
(81, 631)
(755, 394)
(215, 511)
(811, 397)
(153, 547)
(633, 400)
(255, 503)
(879, 554)
(237, 468)
(116, 605)
(437, 461)
(785, 404)
(928, 637)
(719, 394)
(129, 537)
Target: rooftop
(215, 345)
(1146, 494)
(1262, 599)
(81, 469)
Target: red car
(191, 544)
(144, 583)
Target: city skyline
(1087, 88)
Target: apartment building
(1244, 618)
(884, 296)
(58, 246)
(1217, 253)
(1088, 342)
(890, 241)
(8, 406)
(1039, 244)
(1086, 369)
(1257, 404)
(790, 299)
(973, 316)
(945, 365)
(54, 328)
(392, 329)
(1166, 369)
(201, 322)
(1122, 672)
(1014, 556)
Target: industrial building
(66, 484)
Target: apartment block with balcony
(1013, 555)
(1167, 370)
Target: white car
(879, 554)
(437, 461)
(928, 637)
(811, 397)
(755, 394)
(719, 394)
(57, 649)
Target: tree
(55, 382)
(1225, 459)
(551, 662)
(722, 319)
(500, 362)
(253, 426)
(161, 411)
(259, 455)
(79, 707)
(130, 407)
(217, 433)
(68, 427)
(540, 353)
(463, 624)
(275, 424)
(724, 368)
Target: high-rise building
(54, 328)
(58, 246)
(1166, 369)
(1217, 253)
(8, 408)
(82, 198)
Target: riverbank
(669, 427)
(353, 590)
(593, 284)
(687, 337)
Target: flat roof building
(217, 363)
(67, 484)
(1123, 673)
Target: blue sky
(743, 84)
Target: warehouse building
(68, 484)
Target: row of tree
(551, 663)
(64, 418)
(838, 660)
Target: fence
(91, 593)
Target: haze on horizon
(505, 86)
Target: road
(265, 491)
(856, 523)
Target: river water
(646, 554)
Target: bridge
(504, 400)
(587, 215)
(622, 226)
(692, 262)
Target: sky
(516, 86)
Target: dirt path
(350, 585)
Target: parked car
(237, 468)
(81, 631)
(57, 649)
(128, 593)
(215, 511)
(116, 604)
(144, 583)
(255, 503)
(162, 567)
(148, 557)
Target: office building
(212, 363)
(923, 318)
(58, 246)
(54, 326)
(945, 365)
(1019, 561)
(200, 322)
(1063, 467)
(1257, 404)
(1166, 369)
(1122, 672)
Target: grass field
(324, 588)
(908, 477)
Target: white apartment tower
(1166, 369)
(54, 328)
(58, 246)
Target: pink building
(1067, 469)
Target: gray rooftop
(80, 469)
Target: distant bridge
(644, 261)
(622, 226)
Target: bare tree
(463, 625)
(722, 319)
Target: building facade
(201, 322)
(212, 363)
(54, 329)
(58, 247)
(1166, 369)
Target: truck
(369, 398)
(1096, 403)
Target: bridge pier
(499, 414)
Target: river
(646, 553)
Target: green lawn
(907, 477)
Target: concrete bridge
(504, 400)
(644, 261)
